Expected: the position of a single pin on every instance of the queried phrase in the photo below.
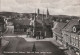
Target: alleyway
(18, 44)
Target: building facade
(71, 36)
(21, 26)
(57, 28)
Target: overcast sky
(56, 7)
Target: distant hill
(29, 15)
(8, 13)
(63, 17)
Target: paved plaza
(23, 47)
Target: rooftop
(59, 27)
(71, 23)
(22, 21)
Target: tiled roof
(46, 22)
(58, 28)
(22, 21)
(69, 26)
(77, 26)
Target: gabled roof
(71, 23)
(58, 28)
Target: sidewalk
(4, 43)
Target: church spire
(47, 13)
(35, 15)
(43, 16)
(38, 12)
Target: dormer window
(74, 29)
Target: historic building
(37, 26)
(21, 25)
(71, 35)
(41, 28)
(57, 31)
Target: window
(76, 41)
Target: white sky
(56, 7)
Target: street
(20, 46)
